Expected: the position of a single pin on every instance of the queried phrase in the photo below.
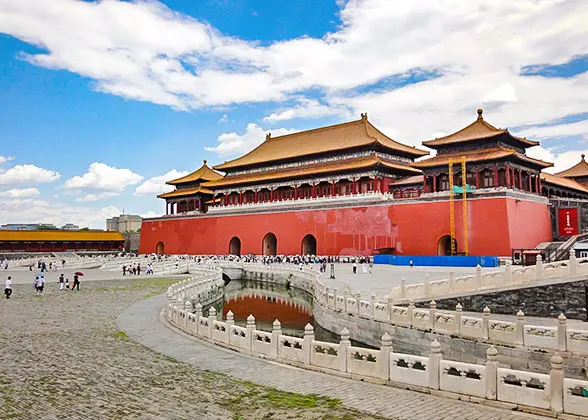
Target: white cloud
(307, 108)
(224, 118)
(231, 144)
(561, 160)
(475, 49)
(104, 178)
(6, 159)
(579, 128)
(20, 193)
(28, 210)
(157, 184)
(27, 174)
(89, 198)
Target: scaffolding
(464, 186)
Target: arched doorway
(235, 246)
(308, 245)
(270, 244)
(444, 245)
(159, 248)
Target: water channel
(268, 302)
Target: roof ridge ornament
(204, 160)
(583, 157)
(268, 136)
(480, 112)
(364, 116)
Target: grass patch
(121, 335)
(277, 398)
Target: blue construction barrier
(436, 260)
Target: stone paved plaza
(64, 357)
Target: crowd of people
(135, 269)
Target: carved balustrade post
(491, 373)
(520, 328)
(562, 332)
(409, 312)
(187, 309)
(357, 299)
(346, 295)
(573, 263)
(229, 323)
(451, 282)
(403, 288)
(211, 319)
(508, 273)
(539, 268)
(427, 285)
(335, 292)
(390, 305)
(276, 333)
(249, 331)
(457, 319)
(556, 379)
(432, 314)
(385, 350)
(434, 364)
(478, 282)
(307, 343)
(485, 322)
(343, 348)
(373, 304)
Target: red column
(295, 192)
(166, 208)
(425, 184)
(271, 195)
(540, 184)
(508, 177)
(354, 183)
(520, 179)
(240, 198)
(333, 188)
(495, 176)
(313, 190)
(530, 182)
(477, 179)
(434, 183)
(255, 196)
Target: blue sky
(103, 101)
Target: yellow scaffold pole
(465, 205)
(451, 210)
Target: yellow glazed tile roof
(59, 235)
(184, 192)
(347, 164)
(320, 140)
(479, 156)
(564, 182)
(479, 129)
(409, 180)
(204, 173)
(578, 170)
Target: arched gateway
(270, 244)
(308, 245)
(444, 245)
(159, 248)
(235, 246)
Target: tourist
(124, 268)
(371, 267)
(61, 282)
(138, 269)
(364, 268)
(8, 287)
(40, 285)
(76, 282)
(354, 267)
(410, 263)
(67, 283)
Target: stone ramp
(141, 322)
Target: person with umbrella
(76, 281)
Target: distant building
(70, 226)
(28, 226)
(59, 241)
(124, 223)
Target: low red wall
(495, 226)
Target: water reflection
(268, 302)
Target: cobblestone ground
(62, 357)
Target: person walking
(67, 284)
(138, 269)
(124, 269)
(61, 282)
(76, 282)
(354, 266)
(8, 287)
(40, 285)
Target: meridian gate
(269, 244)
(308, 245)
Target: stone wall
(549, 301)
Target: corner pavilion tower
(348, 189)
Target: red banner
(567, 221)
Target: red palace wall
(496, 225)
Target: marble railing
(505, 278)
(487, 382)
(557, 337)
